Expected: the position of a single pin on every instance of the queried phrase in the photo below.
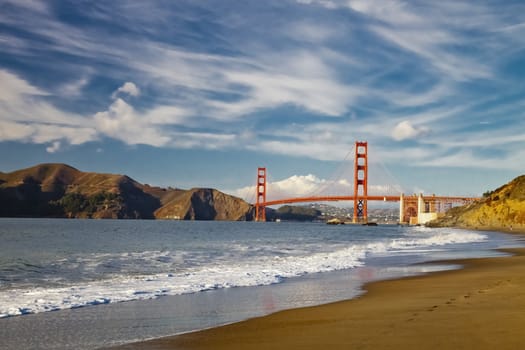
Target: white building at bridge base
(418, 210)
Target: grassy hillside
(501, 209)
(204, 204)
(297, 213)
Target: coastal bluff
(501, 209)
(60, 190)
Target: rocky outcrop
(501, 209)
(205, 204)
(59, 190)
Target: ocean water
(102, 282)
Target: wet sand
(479, 307)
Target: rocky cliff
(205, 204)
(501, 209)
(59, 190)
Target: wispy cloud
(432, 33)
(14, 90)
(73, 88)
(121, 122)
(128, 88)
(27, 117)
(55, 146)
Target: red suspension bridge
(413, 209)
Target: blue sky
(200, 93)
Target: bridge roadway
(389, 198)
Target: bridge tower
(260, 205)
(360, 182)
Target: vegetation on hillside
(76, 204)
(503, 208)
(297, 213)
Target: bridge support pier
(426, 209)
(260, 204)
(401, 208)
(361, 182)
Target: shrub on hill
(296, 213)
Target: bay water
(87, 284)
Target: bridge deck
(369, 198)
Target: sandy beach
(481, 306)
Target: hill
(204, 204)
(59, 190)
(501, 209)
(297, 213)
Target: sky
(200, 93)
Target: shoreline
(513, 230)
(475, 306)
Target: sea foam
(243, 266)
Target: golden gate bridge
(413, 209)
